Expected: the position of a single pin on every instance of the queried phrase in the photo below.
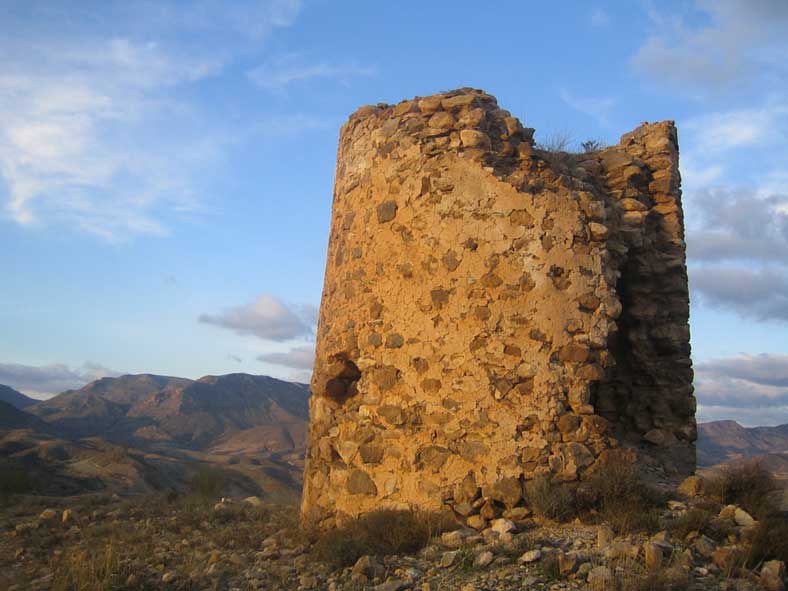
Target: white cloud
(47, 380)
(740, 128)
(267, 317)
(279, 73)
(718, 45)
(752, 389)
(82, 113)
(297, 357)
(760, 293)
(738, 225)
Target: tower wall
(492, 312)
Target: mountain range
(137, 432)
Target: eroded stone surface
(492, 312)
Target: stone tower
(492, 312)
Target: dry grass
(550, 499)
(663, 579)
(130, 540)
(383, 532)
(702, 520)
(621, 498)
(97, 569)
(749, 486)
(632, 575)
(614, 494)
(770, 540)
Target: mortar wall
(492, 312)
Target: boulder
(772, 576)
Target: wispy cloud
(82, 113)
(736, 211)
(281, 72)
(267, 317)
(739, 128)
(738, 43)
(46, 380)
(297, 357)
(759, 293)
(753, 389)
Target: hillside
(12, 417)
(101, 407)
(17, 399)
(725, 441)
(139, 433)
(146, 409)
(200, 413)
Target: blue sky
(166, 168)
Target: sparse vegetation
(550, 499)
(558, 141)
(207, 484)
(549, 568)
(614, 494)
(14, 481)
(623, 501)
(749, 486)
(770, 540)
(387, 531)
(592, 146)
(660, 579)
(95, 569)
(701, 520)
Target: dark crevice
(343, 386)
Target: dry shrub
(747, 485)
(549, 567)
(207, 484)
(701, 520)
(550, 499)
(632, 575)
(96, 569)
(382, 532)
(662, 579)
(769, 541)
(558, 141)
(622, 499)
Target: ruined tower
(492, 312)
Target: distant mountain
(727, 441)
(139, 433)
(199, 413)
(139, 409)
(12, 418)
(100, 408)
(17, 399)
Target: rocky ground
(104, 542)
